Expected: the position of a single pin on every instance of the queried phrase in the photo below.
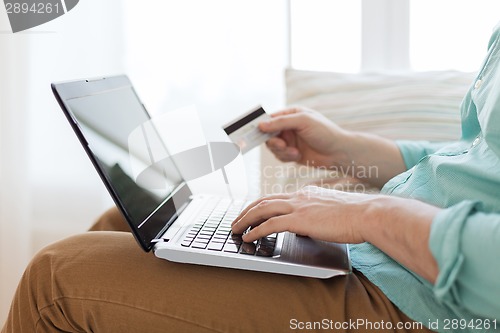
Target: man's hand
(319, 213)
(399, 227)
(306, 137)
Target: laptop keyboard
(212, 231)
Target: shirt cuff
(444, 242)
(414, 151)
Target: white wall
(14, 223)
(48, 188)
(222, 56)
(66, 193)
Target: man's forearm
(376, 159)
(401, 228)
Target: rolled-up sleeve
(466, 245)
(414, 151)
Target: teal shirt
(463, 178)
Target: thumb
(281, 123)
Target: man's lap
(102, 281)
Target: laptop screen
(127, 150)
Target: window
(390, 35)
(450, 34)
(325, 35)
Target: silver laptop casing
(294, 255)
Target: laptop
(164, 215)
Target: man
(425, 250)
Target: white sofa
(413, 105)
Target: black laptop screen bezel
(161, 218)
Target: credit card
(244, 130)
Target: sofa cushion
(412, 106)
(420, 105)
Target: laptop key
(203, 237)
(265, 251)
(233, 248)
(248, 248)
(267, 241)
(222, 237)
(199, 245)
(236, 237)
(235, 240)
(218, 240)
(188, 239)
(215, 246)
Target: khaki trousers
(102, 281)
